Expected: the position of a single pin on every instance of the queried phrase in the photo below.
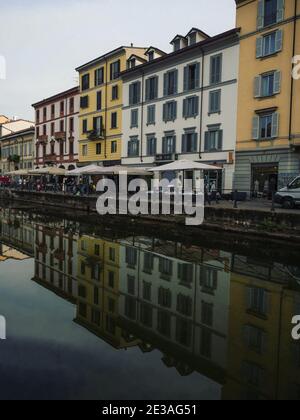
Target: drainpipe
(142, 116)
(201, 104)
(292, 79)
(106, 94)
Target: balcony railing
(97, 134)
(43, 138)
(60, 135)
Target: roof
(199, 31)
(200, 44)
(105, 56)
(30, 130)
(56, 97)
(155, 49)
(138, 57)
(176, 37)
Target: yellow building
(101, 101)
(98, 290)
(17, 150)
(263, 360)
(268, 133)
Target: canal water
(130, 316)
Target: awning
(20, 172)
(185, 165)
(48, 171)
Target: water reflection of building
(264, 361)
(176, 300)
(98, 289)
(56, 258)
(16, 235)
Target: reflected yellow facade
(98, 289)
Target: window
(115, 69)
(216, 69)
(96, 296)
(268, 84)
(52, 112)
(270, 12)
(164, 297)
(151, 88)
(213, 140)
(151, 110)
(111, 279)
(131, 256)
(193, 38)
(71, 124)
(265, 126)
(183, 332)
(82, 291)
(98, 149)
(165, 267)
(170, 111)
(147, 291)
(254, 338)
(151, 146)
(191, 107)
(84, 102)
(133, 147)
(135, 93)
(177, 45)
(99, 76)
(146, 315)
(257, 300)
(164, 323)
(115, 92)
(151, 55)
(62, 108)
(189, 142)
(184, 305)
(114, 120)
(208, 279)
(206, 343)
(84, 126)
(130, 308)
(252, 374)
(169, 145)
(96, 317)
(114, 147)
(171, 83)
(71, 105)
(214, 102)
(207, 313)
(62, 126)
(98, 125)
(130, 285)
(112, 254)
(97, 250)
(44, 130)
(192, 77)
(99, 101)
(84, 150)
(134, 118)
(269, 44)
(37, 116)
(85, 82)
(52, 129)
(185, 273)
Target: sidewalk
(254, 205)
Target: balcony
(51, 158)
(60, 135)
(97, 134)
(42, 139)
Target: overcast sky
(43, 41)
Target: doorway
(264, 179)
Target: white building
(57, 130)
(183, 105)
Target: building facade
(183, 105)
(57, 130)
(268, 133)
(17, 150)
(101, 100)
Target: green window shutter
(139, 92)
(130, 94)
(279, 40)
(275, 124)
(280, 10)
(147, 90)
(195, 142)
(206, 141)
(220, 140)
(166, 80)
(261, 14)
(164, 145)
(197, 83)
(257, 87)
(156, 87)
(165, 112)
(196, 105)
(174, 111)
(210, 104)
(184, 108)
(186, 79)
(277, 82)
(176, 81)
(259, 47)
(255, 128)
(184, 143)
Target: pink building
(56, 139)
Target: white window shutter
(277, 82)
(255, 128)
(259, 47)
(279, 40)
(261, 14)
(275, 125)
(257, 87)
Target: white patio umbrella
(184, 165)
(20, 172)
(82, 171)
(48, 171)
(116, 170)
